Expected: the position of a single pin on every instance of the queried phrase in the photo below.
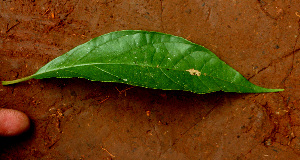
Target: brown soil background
(80, 119)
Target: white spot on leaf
(194, 72)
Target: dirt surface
(80, 119)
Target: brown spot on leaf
(194, 72)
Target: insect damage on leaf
(194, 72)
(147, 59)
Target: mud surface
(79, 119)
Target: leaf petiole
(4, 83)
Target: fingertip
(13, 122)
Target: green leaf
(148, 59)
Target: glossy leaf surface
(148, 59)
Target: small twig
(47, 11)
(108, 152)
(104, 100)
(124, 90)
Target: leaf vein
(171, 78)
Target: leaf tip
(274, 90)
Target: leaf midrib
(92, 64)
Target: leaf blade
(151, 60)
